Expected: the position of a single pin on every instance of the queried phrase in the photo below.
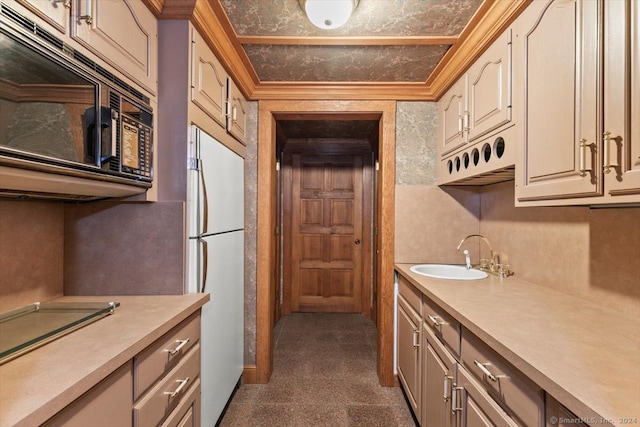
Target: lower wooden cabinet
(160, 386)
(408, 335)
(438, 375)
(105, 405)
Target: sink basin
(448, 271)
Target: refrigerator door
(221, 187)
(222, 336)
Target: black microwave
(60, 109)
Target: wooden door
(326, 233)
(558, 59)
(237, 114)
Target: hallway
(324, 375)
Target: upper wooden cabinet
(214, 92)
(208, 80)
(473, 120)
(577, 136)
(55, 12)
(122, 34)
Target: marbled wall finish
(416, 150)
(422, 206)
(31, 252)
(250, 233)
(372, 18)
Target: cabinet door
(475, 407)
(621, 142)
(208, 80)
(54, 12)
(124, 33)
(560, 63)
(451, 110)
(187, 413)
(489, 84)
(438, 372)
(408, 336)
(237, 114)
(107, 404)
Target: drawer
(443, 325)
(409, 292)
(187, 413)
(520, 397)
(157, 359)
(169, 392)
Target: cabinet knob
(357, 242)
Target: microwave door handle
(114, 133)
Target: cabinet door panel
(451, 108)
(408, 335)
(53, 12)
(438, 373)
(122, 32)
(208, 80)
(110, 401)
(490, 88)
(478, 408)
(559, 55)
(237, 114)
(622, 101)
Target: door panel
(326, 231)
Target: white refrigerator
(215, 209)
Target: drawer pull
(177, 391)
(181, 343)
(434, 321)
(485, 371)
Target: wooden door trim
(266, 278)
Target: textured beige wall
(250, 232)
(113, 248)
(31, 252)
(588, 253)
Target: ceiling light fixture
(328, 14)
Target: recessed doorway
(269, 114)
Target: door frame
(268, 111)
(362, 149)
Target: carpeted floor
(324, 375)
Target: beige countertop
(584, 355)
(37, 385)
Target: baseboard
(250, 374)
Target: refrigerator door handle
(205, 201)
(205, 257)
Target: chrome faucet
(495, 267)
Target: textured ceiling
(384, 41)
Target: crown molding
(209, 18)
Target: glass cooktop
(34, 325)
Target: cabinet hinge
(193, 164)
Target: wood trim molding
(492, 18)
(348, 41)
(209, 18)
(267, 110)
(249, 374)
